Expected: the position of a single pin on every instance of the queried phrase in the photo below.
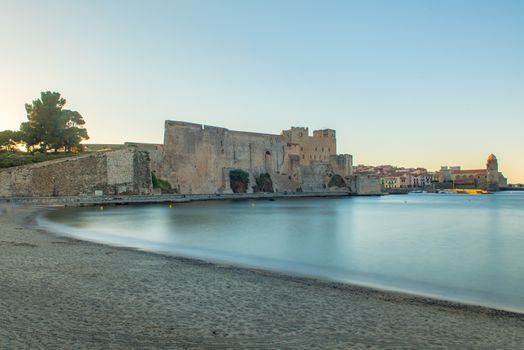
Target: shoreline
(368, 305)
(292, 275)
(164, 198)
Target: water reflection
(459, 247)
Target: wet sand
(57, 292)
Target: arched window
(267, 160)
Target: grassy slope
(10, 159)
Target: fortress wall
(197, 158)
(318, 147)
(365, 185)
(155, 151)
(118, 172)
(314, 177)
(342, 164)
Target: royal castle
(197, 158)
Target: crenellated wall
(194, 159)
(197, 158)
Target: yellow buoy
(101, 207)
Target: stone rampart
(197, 158)
(366, 185)
(117, 172)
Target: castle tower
(492, 173)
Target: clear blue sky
(411, 83)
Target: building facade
(489, 178)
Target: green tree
(29, 136)
(9, 139)
(50, 126)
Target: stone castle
(198, 158)
(201, 159)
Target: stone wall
(365, 185)
(197, 158)
(118, 172)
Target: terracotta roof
(471, 171)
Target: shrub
(162, 184)
(239, 180)
(264, 183)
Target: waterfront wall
(90, 200)
(365, 185)
(196, 159)
(120, 172)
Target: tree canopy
(50, 126)
(9, 139)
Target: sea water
(449, 246)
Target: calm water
(456, 247)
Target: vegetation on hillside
(9, 140)
(49, 127)
(10, 159)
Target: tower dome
(491, 157)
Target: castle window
(329, 149)
(322, 149)
(301, 149)
(267, 160)
(302, 156)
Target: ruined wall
(118, 172)
(197, 158)
(155, 151)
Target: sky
(418, 83)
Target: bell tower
(492, 168)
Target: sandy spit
(61, 293)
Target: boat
(465, 191)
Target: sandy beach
(57, 292)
